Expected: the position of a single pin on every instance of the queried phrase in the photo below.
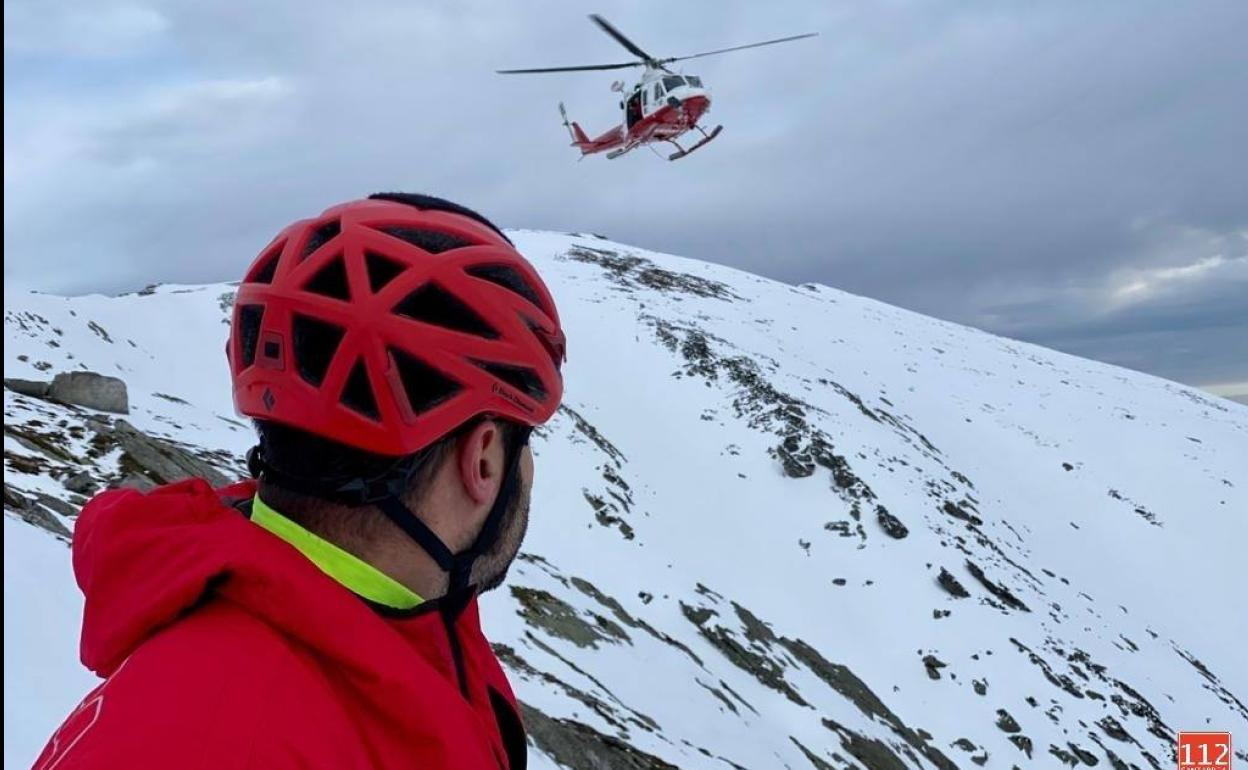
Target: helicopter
(661, 107)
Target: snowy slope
(773, 526)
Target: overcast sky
(1069, 173)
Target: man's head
(395, 354)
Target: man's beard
(490, 570)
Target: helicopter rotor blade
(632, 47)
(582, 68)
(737, 48)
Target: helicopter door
(632, 113)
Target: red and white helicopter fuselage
(659, 108)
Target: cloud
(80, 29)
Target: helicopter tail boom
(581, 140)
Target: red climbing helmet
(387, 323)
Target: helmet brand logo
(510, 397)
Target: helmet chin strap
(386, 492)
(458, 566)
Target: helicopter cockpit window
(696, 82)
(673, 82)
(658, 91)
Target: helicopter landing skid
(706, 138)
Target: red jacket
(225, 648)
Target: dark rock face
(577, 745)
(948, 582)
(156, 461)
(997, 590)
(94, 391)
(933, 665)
(1023, 743)
(1006, 722)
(35, 388)
(33, 512)
(891, 525)
(82, 483)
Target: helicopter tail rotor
(579, 138)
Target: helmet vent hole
(434, 305)
(319, 237)
(509, 278)
(554, 344)
(521, 378)
(357, 395)
(331, 281)
(431, 241)
(315, 343)
(424, 386)
(381, 270)
(249, 318)
(267, 267)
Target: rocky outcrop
(148, 461)
(579, 746)
(35, 388)
(33, 512)
(92, 390)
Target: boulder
(83, 483)
(36, 388)
(92, 390)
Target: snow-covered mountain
(773, 526)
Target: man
(394, 353)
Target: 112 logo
(1204, 751)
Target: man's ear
(480, 458)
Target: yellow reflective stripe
(355, 574)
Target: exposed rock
(590, 590)
(1006, 722)
(147, 460)
(872, 753)
(92, 390)
(891, 525)
(812, 757)
(948, 582)
(958, 511)
(558, 618)
(58, 505)
(1085, 756)
(632, 272)
(1065, 756)
(35, 388)
(1114, 729)
(33, 513)
(847, 684)
(581, 747)
(766, 670)
(1023, 743)
(82, 482)
(933, 666)
(999, 591)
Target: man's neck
(350, 553)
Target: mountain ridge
(835, 533)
